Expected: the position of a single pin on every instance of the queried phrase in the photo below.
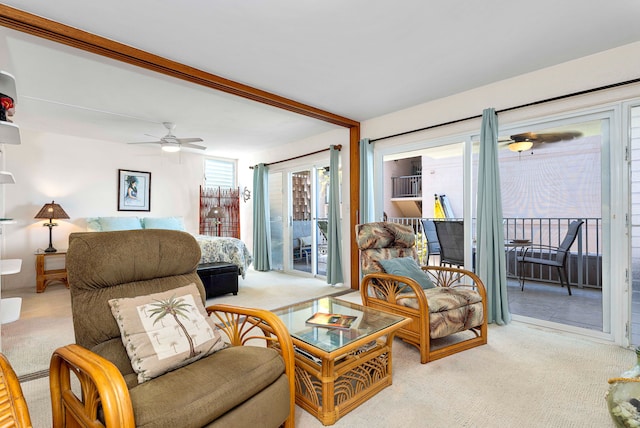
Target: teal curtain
(490, 263)
(367, 213)
(261, 220)
(334, 238)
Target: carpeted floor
(524, 377)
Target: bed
(221, 249)
(213, 248)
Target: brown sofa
(238, 386)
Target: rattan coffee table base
(331, 389)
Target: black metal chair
(433, 245)
(551, 256)
(451, 238)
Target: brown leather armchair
(239, 385)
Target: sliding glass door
(299, 211)
(552, 172)
(634, 178)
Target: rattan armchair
(250, 382)
(105, 401)
(13, 407)
(450, 317)
(435, 331)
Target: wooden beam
(51, 30)
(354, 200)
(70, 36)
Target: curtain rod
(338, 147)
(560, 97)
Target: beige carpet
(524, 377)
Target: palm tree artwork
(176, 308)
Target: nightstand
(44, 276)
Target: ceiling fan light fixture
(170, 147)
(519, 146)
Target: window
(219, 173)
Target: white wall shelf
(8, 86)
(10, 266)
(9, 132)
(10, 308)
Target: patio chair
(429, 229)
(447, 306)
(451, 238)
(545, 255)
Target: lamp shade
(216, 212)
(51, 211)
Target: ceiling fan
(170, 143)
(526, 140)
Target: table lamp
(216, 213)
(51, 211)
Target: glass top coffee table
(337, 369)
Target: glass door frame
(614, 205)
(312, 166)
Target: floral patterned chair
(447, 306)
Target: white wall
(613, 66)
(82, 176)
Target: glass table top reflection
(367, 322)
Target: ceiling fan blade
(547, 137)
(193, 146)
(189, 140)
(146, 142)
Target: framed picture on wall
(134, 190)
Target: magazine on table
(321, 319)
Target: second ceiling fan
(171, 143)
(526, 140)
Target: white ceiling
(358, 58)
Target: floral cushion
(383, 234)
(451, 310)
(164, 331)
(370, 258)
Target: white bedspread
(222, 249)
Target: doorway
(556, 179)
(298, 201)
(552, 174)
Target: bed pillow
(109, 224)
(407, 266)
(158, 340)
(170, 223)
(93, 224)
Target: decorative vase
(623, 397)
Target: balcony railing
(407, 186)
(584, 265)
